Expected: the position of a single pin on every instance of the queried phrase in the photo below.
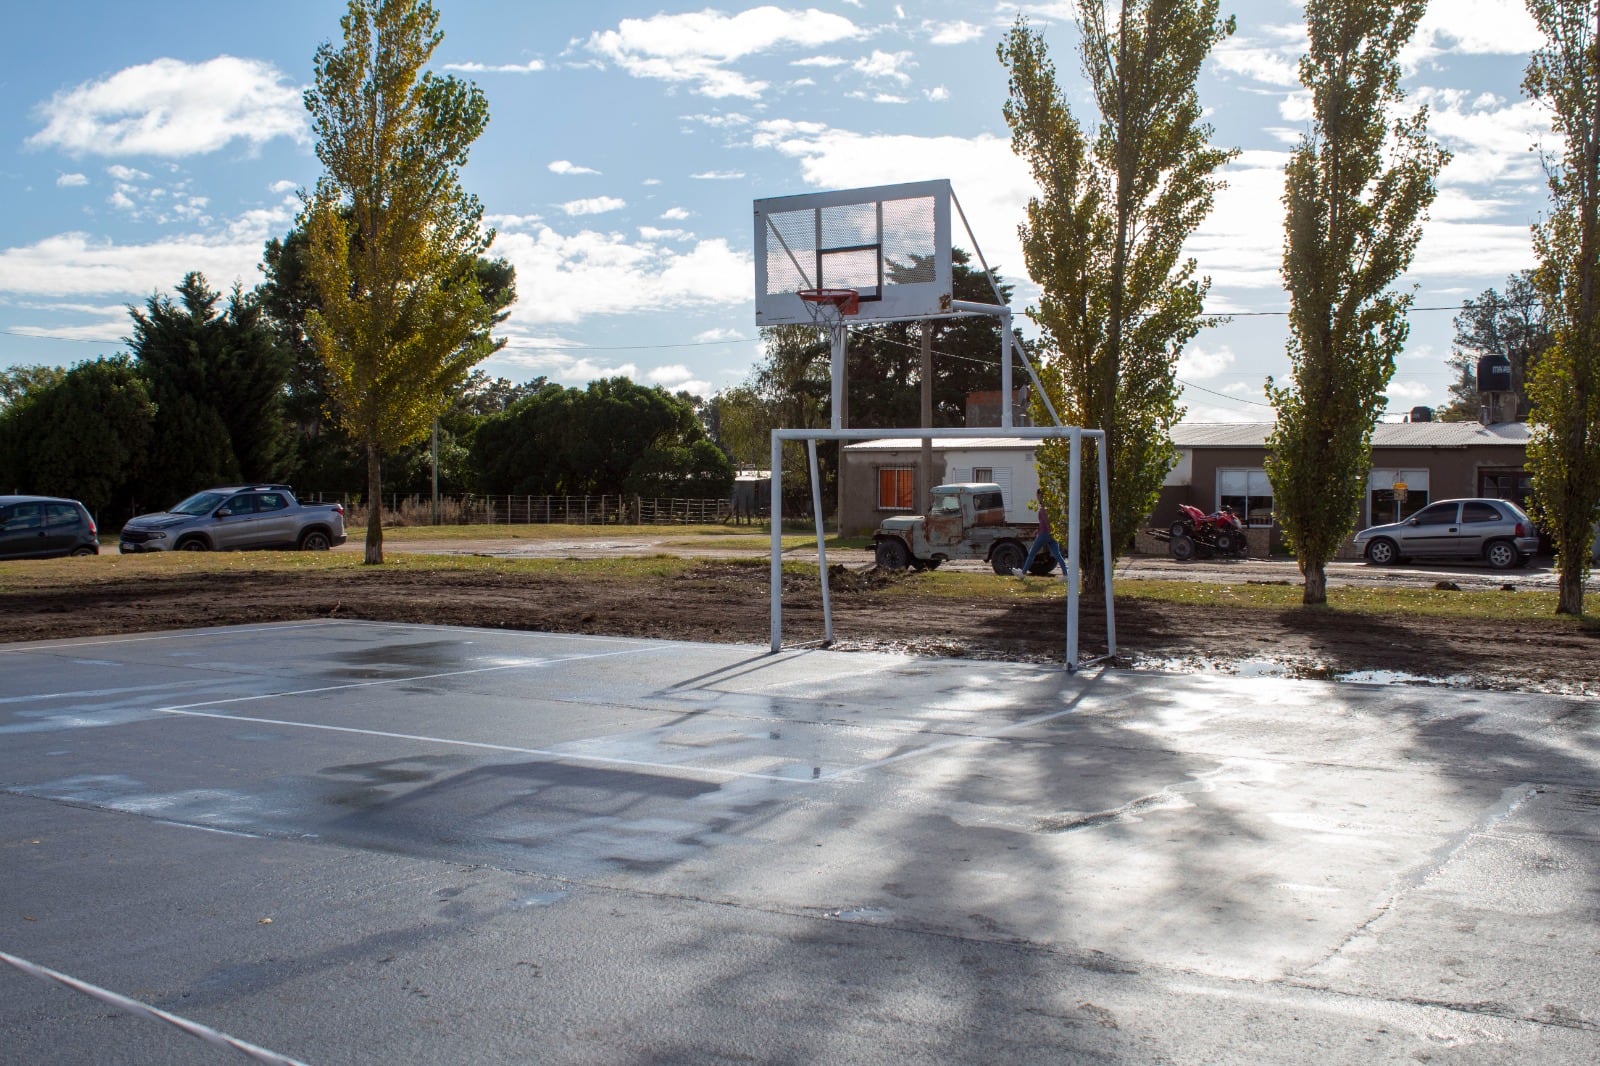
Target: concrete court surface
(364, 843)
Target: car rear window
(1475, 511)
(60, 515)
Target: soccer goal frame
(1074, 435)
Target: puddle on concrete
(1302, 671)
(870, 915)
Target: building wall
(1195, 480)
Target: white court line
(33, 648)
(974, 738)
(214, 1037)
(554, 756)
(124, 691)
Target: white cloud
(889, 98)
(69, 181)
(595, 205)
(819, 61)
(697, 47)
(530, 67)
(171, 108)
(710, 336)
(563, 166)
(1491, 140)
(563, 368)
(564, 278)
(1472, 27)
(651, 233)
(953, 32)
(718, 175)
(939, 94)
(1199, 364)
(281, 187)
(675, 214)
(76, 264)
(886, 65)
(122, 173)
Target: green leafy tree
(1356, 189)
(216, 373)
(17, 381)
(1512, 324)
(392, 239)
(1104, 240)
(85, 435)
(1564, 449)
(585, 442)
(325, 455)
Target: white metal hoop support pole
(1074, 486)
(1105, 540)
(837, 334)
(775, 514)
(822, 552)
(1005, 369)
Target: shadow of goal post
(1074, 436)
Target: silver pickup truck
(240, 517)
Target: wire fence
(605, 509)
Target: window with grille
(896, 488)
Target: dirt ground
(724, 601)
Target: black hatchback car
(41, 527)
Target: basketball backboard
(890, 243)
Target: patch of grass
(1488, 605)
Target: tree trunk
(1570, 595)
(1316, 589)
(374, 506)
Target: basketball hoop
(828, 306)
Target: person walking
(1044, 538)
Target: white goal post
(1074, 436)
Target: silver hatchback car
(1497, 531)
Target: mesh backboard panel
(890, 243)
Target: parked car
(40, 527)
(238, 517)
(1496, 531)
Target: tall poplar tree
(1356, 190)
(1104, 239)
(1564, 449)
(392, 238)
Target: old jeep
(965, 521)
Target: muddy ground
(725, 601)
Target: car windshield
(199, 503)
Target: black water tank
(1422, 414)
(1494, 374)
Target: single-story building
(1219, 464)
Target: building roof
(1249, 435)
(1384, 435)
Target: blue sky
(628, 139)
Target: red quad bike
(1217, 533)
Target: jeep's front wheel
(1006, 558)
(891, 554)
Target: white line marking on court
(81, 693)
(211, 1036)
(185, 634)
(525, 664)
(554, 756)
(974, 738)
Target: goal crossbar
(1074, 436)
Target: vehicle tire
(315, 540)
(1179, 529)
(1042, 565)
(1382, 552)
(193, 544)
(80, 551)
(891, 554)
(933, 564)
(1502, 554)
(1006, 557)
(1223, 542)
(1182, 549)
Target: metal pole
(1105, 540)
(822, 551)
(776, 514)
(1074, 512)
(1005, 369)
